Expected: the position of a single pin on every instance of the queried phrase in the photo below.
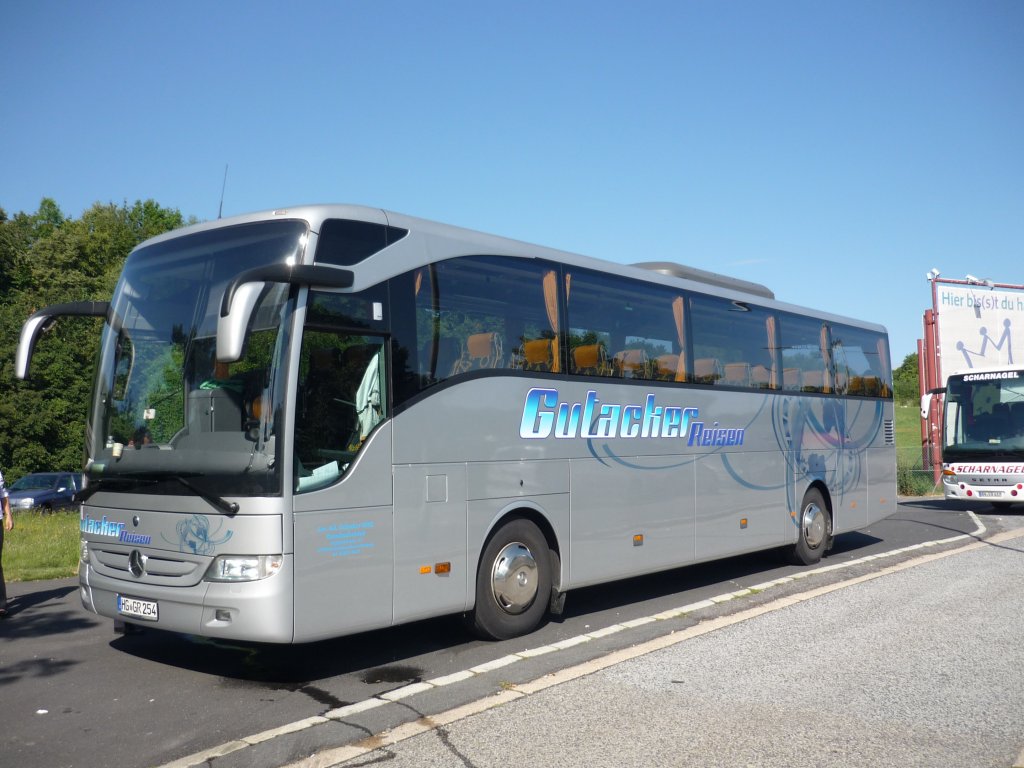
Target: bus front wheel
(815, 534)
(513, 582)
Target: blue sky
(832, 151)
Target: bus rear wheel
(815, 535)
(513, 582)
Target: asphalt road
(76, 694)
(920, 667)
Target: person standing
(7, 526)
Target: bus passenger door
(343, 499)
(343, 562)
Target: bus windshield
(984, 417)
(167, 417)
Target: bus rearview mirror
(243, 292)
(42, 320)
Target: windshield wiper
(228, 507)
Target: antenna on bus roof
(220, 210)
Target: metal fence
(913, 477)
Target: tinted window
(624, 328)
(345, 242)
(861, 361)
(733, 344)
(342, 389)
(363, 310)
(804, 366)
(474, 314)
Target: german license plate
(990, 494)
(137, 609)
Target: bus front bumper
(964, 488)
(257, 611)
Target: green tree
(47, 258)
(906, 389)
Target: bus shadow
(390, 657)
(637, 591)
(293, 667)
(693, 582)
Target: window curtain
(773, 348)
(678, 314)
(826, 355)
(550, 284)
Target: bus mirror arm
(242, 293)
(926, 400)
(43, 320)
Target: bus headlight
(84, 553)
(243, 568)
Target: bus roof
(443, 241)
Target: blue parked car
(44, 490)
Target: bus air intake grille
(170, 569)
(890, 432)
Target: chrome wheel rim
(514, 578)
(814, 525)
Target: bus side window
(472, 314)
(803, 354)
(733, 343)
(341, 398)
(624, 328)
(860, 359)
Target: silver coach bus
(313, 422)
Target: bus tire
(513, 582)
(815, 530)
